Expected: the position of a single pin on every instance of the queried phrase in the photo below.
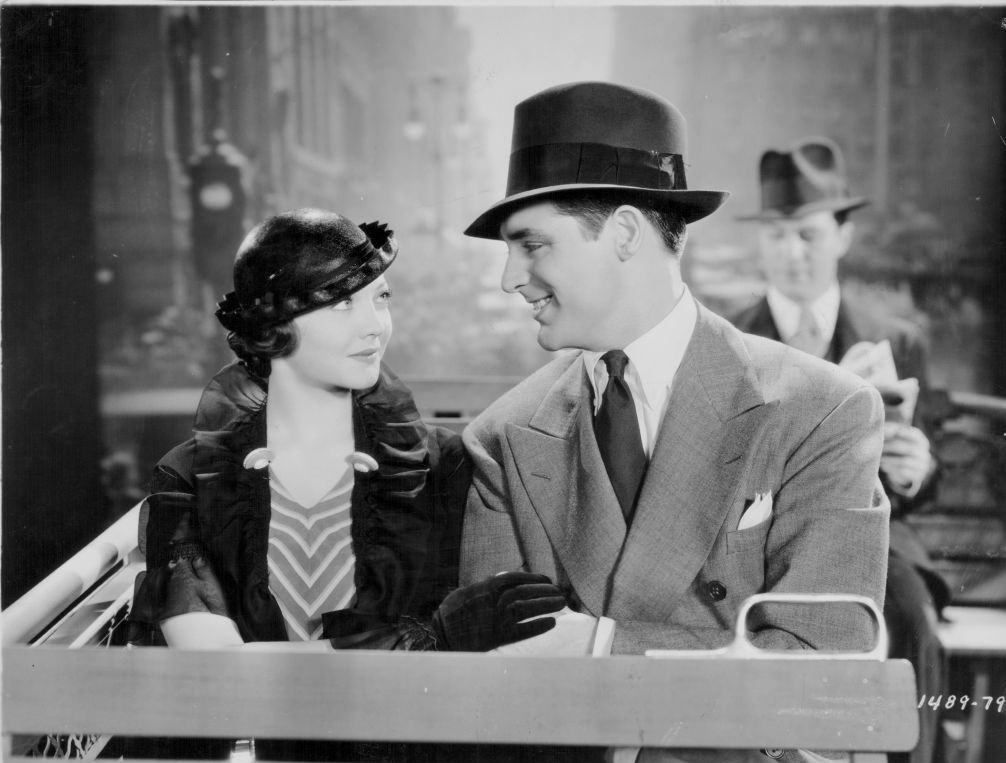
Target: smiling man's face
(570, 280)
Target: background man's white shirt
(786, 312)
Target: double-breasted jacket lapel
(715, 412)
(561, 469)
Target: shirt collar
(786, 312)
(654, 357)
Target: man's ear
(628, 225)
(845, 233)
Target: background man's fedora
(810, 177)
(597, 135)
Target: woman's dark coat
(406, 516)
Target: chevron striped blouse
(311, 560)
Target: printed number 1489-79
(964, 701)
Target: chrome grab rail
(24, 618)
(741, 646)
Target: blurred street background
(140, 143)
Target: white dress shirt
(786, 312)
(653, 360)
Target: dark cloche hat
(810, 177)
(298, 261)
(597, 135)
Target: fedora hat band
(556, 164)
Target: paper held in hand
(574, 635)
(874, 362)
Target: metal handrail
(978, 403)
(741, 646)
(42, 604)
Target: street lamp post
(217, 192)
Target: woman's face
(341, 345)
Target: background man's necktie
(808, 335)
(617, 430)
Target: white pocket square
(759, 510)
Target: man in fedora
(671, 466)
(803, 231)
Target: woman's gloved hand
(486, 615)
(193, 587)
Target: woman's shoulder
(174, 469)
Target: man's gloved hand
(486, 615)
(193, 587)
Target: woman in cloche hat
(312, 502)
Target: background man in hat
(672, 466)
(803, 232)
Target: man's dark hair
(593, 208)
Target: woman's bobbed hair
(291, 264)
(258, 351)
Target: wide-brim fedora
(597, 136)
(810, 177)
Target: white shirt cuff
(200, 630)
(604, 637)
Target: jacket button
(717, 591)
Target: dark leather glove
(192, 587)
(486, 615)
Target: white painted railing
(25, 619)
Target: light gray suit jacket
(746, 415)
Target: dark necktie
(617, 430)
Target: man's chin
(546, 338)
(551, 341)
